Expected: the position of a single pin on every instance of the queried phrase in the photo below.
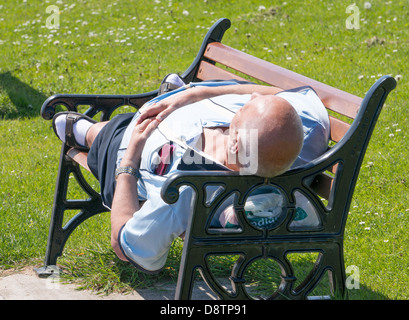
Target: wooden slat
(208, 71)
(79, 157)
(322, 185)
(338, 128)
(333, 98)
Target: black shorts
(102, 156)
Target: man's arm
(163, 108)
(125, 202)
(204, 92)
(124, 205)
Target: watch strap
(128, 170)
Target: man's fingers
(151, 111)
(158, 110)
(152, 125)
(144, 115)
(147, 126)
(162, 115)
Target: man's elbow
(117, 249)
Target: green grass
(126, 47)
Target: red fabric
(165, 157)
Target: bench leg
(329, 259)
(58, 234)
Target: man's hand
(140, 134)
(163, 108)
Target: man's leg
(93, 131)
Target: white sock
(80, 129)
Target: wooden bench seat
(327, 182)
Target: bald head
(266, 136)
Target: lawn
(126, 47)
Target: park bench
(327, 182)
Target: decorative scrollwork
(171, 195)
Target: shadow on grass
(167, 281)
(365, 293)
(102, 272)
(18, 99)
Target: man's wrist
(125, 162)
(127, 170)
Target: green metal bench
(327, 183)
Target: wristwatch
(128, 170)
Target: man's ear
(232, 151)
(234, 144)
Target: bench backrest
(222, 62)
(220, 58)
(352, 118)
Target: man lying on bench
(216, 125)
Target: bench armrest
(98, 103)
